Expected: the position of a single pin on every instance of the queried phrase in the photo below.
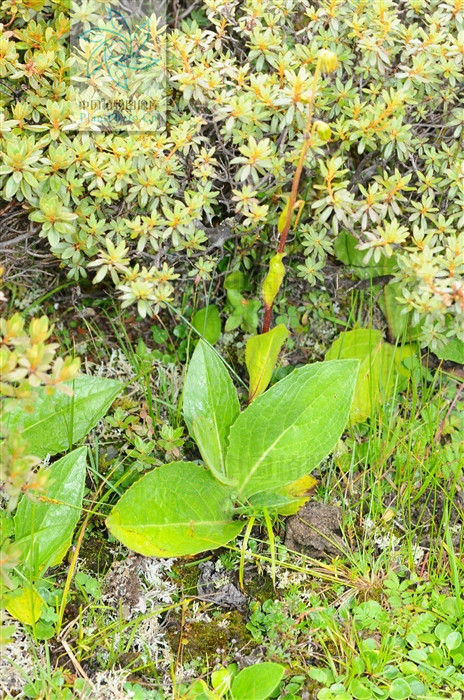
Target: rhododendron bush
(384, 170)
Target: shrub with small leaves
(384, 161)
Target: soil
(315, 531)
(96, 553)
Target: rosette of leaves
(251, 458)
(391, 93)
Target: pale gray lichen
(17, 664)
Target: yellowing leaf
(300, 490)
(261, 356)
(388, 515)
(286, 500)
(24, 604)
(273, 280)
(323, 130)
(283, 216)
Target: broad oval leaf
(257, 682)
(44, 529)
(290, 428)
(208, 322)
(58, 421)
(453, 351)
(210, 406)
(381, 365)
(24, 604)
(261, 356)
(175, 510)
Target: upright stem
(295, 184)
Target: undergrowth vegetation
(383, 165)
(232, 352)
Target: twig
(186, 12)
(5, 209)
(76, 663)
(295, 184)
(6, 244)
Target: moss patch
(95, 553)
(202, 639)
(260, 588)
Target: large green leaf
(257, 682)
(381, 367)
(286, 432)
(347, 251)
(210, 406)
(453, 351)
(58, 421)
(44, 529)
(176, 509)
(261, 356)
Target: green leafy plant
(110, 204)
(243, 312)
(255, 682)
(401, 648)
(44, 523)
(382, 370)
(251, 456)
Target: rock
(217, 587)
(316, 531)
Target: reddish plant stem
(267, 318)
(295, 185)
